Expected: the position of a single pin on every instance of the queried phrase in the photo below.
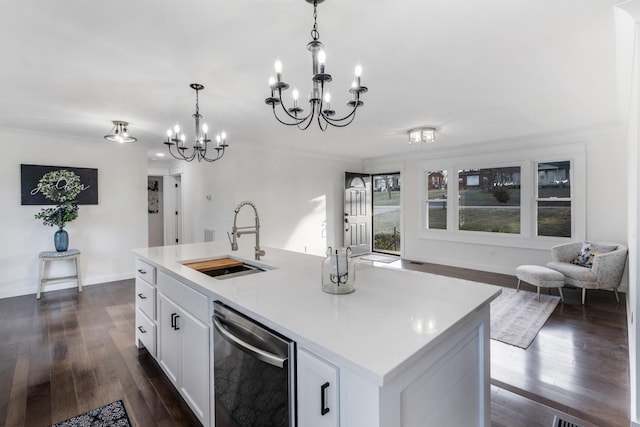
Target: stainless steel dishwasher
(254, 373)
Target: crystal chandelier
(319, 99)
(119, 133)
(178, 148)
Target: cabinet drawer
(145, 271)
(192, 301)
(145, 332)
(146, 298)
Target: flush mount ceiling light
(119, 133)
(319, 100)
(422, 135)
(201, 141)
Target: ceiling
(476, 71)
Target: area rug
(517, 317)
(112, 415)
(379, 258)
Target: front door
(357, 214)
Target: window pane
(554, 179)
(490, 199)
(437, 200)
(386, 213)
(554, 219)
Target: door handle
(141, 296)
(141, 271)
(324, 410)
(258, 353)
(174, 321)
(141, 329)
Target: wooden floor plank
(71, 352)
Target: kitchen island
(408, 348)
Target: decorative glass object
(338, 271)
(61, 240)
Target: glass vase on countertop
(338, 271)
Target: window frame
(539, 199)
(527, 159)
(427, 200)
(458, 198)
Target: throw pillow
(589, 251)
(583, 257)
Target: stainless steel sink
(234, 271)
(224, 268)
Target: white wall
(633, 297)
(104, 233)
(628, 19)
(606, 204)
(298, 197)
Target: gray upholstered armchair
(601, 269)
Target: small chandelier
(201, 141)
(319, 100)
(119, 133)
(422, 135)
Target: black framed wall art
(30, 176)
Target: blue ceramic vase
(61, 240)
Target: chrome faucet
(236, 233)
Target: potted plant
(61, 186)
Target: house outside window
(489, 200)
(553, 199)
(437, 200)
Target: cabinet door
(168, 337)
(318, 404)
(194, 350)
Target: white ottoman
(541, 277)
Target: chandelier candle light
(201, 142)
(319, 100)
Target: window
(553, 199)
(386, 213)
(533, 197)
(489, 200)
(436, 200)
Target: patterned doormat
(517, 317)
(112, 415)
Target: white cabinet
(146, 306)
(183, 342)
(318, 402)
(169, 339)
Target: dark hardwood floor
(69, 353)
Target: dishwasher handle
(271, 359)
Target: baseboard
(467, 265)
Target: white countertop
(394, 316)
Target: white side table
(50, 256)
